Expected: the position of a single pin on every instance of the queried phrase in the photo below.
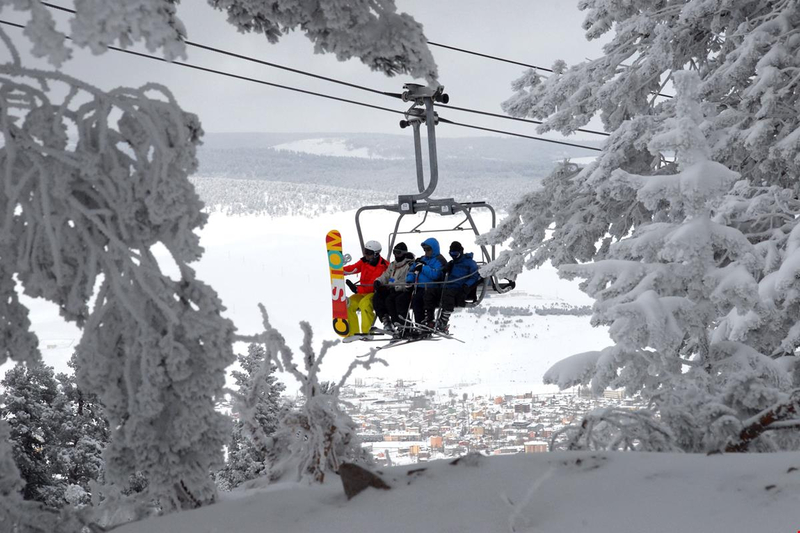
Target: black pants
(452, 298)
(404, 302)
(386, 302)
(424, 303)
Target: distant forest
(493, 169)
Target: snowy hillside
(542, 493)
(483, 168)
(280, 261)
(333, 147)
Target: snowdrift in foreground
(549, 492)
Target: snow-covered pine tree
(93, 180)
(315, 437)
(57, 432)
(24, 516)
(662, 289)
(746, 57)
(28, 406)
(259, 396)
(83, 434)
(746, 54)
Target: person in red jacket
(371, 266)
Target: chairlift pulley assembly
(421, 112)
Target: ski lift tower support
(422, 112)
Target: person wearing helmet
(371, 266)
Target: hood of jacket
(434, 244)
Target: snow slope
(281, 262)
(564, 492)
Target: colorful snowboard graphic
(333, 241)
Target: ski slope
(281, 262)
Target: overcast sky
(530, 31)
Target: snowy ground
(281, 262)
(533, 493)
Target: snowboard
(333, 242)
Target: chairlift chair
(422, 111)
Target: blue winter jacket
(464, 272)
(432, 267)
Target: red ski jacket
(369, 273)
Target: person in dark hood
(425, 271)
(462, 276)
(389, 286)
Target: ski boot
(388, 326)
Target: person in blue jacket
(462, 276)
(426, 269)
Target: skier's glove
(377, 283)
(418, 268)
(351, 285)
(448, 268)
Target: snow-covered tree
(93, 180)
(83, 434)
(57, 433)
(259, 396)
(317, 436)
(370, 30)
(28, 407)
(694, 256)
(746, 54)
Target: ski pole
(441, 297)
(410, 302)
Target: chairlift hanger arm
(422, 110)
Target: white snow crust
(560, 492)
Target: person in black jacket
(462, 276)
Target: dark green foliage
(260, 390)
(57, 434)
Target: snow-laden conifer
(662, 288)
(746, 54)
(258, 399)
(57, 433)
(28, 407)
(315, 437)
(723, 214)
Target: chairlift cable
(355, 85)
(495, 58)
(313, 93)
(487, 56)
(543, 139)
(254, 60)
(508, 117)
(237, 76)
